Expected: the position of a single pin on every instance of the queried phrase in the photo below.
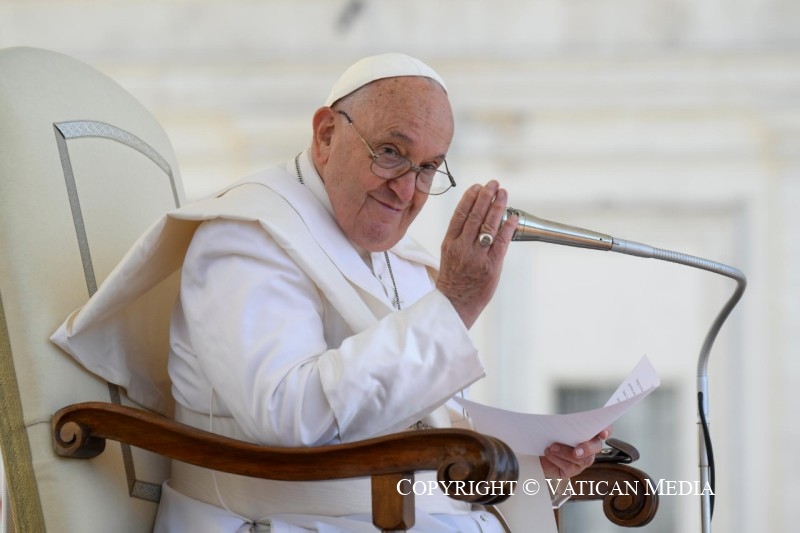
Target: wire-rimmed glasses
(388, 164)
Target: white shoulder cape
(122, 332)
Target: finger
(572, 457)
(477, 215)
(589, 448)
(507, 228)
(565, 465)
(495, 212)
(563, 453)
(462, 211)
(557, 463)
(491, 223)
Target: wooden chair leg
(392, 509)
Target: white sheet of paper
(643, 379)
(532, 433)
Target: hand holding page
(531, 434)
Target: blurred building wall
(670, 122)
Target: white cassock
(284, 334)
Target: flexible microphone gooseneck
(531, 228)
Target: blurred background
(670, 122)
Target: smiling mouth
(389, 206)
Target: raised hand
(474, 248)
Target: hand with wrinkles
(470, 270)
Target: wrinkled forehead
(411, 109)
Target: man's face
(410, 115)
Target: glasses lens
(390, 160)
(390, 165)
(437, 183)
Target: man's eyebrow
(408, 140)
(402, 136)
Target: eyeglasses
(388, 164)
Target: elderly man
(306, 316)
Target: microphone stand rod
(707, 481)
(532, 228)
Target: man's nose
(405, 185)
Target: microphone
(531, 228)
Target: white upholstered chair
(84, 169)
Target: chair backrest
(84, 169)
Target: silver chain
(391, 275)
(396, 301)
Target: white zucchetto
(378, 67)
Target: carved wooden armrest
(80, 431)
(627, 493)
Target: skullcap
(378, 67)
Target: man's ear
(323, 125)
